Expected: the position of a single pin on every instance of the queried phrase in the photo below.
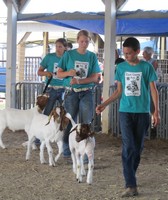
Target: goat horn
(73, 129)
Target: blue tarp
(136, 23)
(142, 27)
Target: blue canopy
(137, 23)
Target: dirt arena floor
(30, 180)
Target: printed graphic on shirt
(81, 69)
(133, 83)
(55, 69)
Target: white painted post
(109, 61)
(11, 55)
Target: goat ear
(73, 129)
(54, 114)
(49, 118)
(64, 123)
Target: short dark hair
(132, 43)
(62, 41)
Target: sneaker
(130, 192)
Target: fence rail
(26, 94)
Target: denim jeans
(55, 96)
(77, 103)
(134, 127)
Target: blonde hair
(83, 32)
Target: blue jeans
(77, 103)
(55, 96)
(134, 127)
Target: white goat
(48, 130)
(16, 119)
(81, 142)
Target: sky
(46, 6)
(50, 6)
(146, 5)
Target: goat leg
(60, 150)
(78, 174)
(42, 159)
(90, 170)
(29, 144)
(50, 153)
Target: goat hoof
(52, 165)
(78, 180)
(3, 147)
(43, 161)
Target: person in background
(69, 46)
(79, 68)
(135, 79)
(48, 68)
(147, 55)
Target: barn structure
(110, 23)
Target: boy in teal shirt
(135, 79)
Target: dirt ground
(30, 180)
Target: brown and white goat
(17, 119)
(48, 129)
(81, 142)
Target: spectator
(79, 68)
(147, 55)
(135, 78)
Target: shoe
(37, 142)
(130, 192)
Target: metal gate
(27, 92)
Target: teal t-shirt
(135, 86)
(50, 63)
(85, 65)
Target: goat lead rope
(48, 82)
(65, 95)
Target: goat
(81, 142)
(16, 119)
(48, 130)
